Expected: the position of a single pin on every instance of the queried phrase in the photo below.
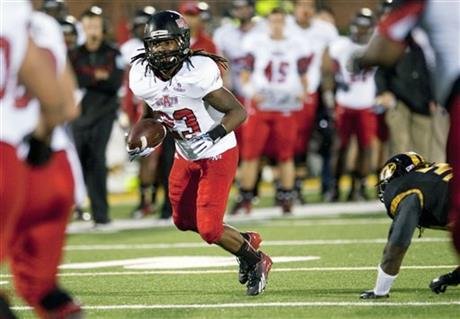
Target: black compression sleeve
(406, 220)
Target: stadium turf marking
(232, 271)
(176, 262)
(269, 305)
(265, 243)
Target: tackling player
(178, 84)
(440, 20)
(415, 194)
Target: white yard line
(264, 243)
(270, 305)
(232, 271)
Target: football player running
(415, 194)
(183, 89)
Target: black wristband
(217, 133)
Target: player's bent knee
(182, 224)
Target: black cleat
(369, 294)
(440, 284)
(254, 240)
(258, 276)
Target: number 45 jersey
(180, 102)
(430, 185)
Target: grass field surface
(321, 264)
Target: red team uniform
(441, 22)
(276, 67)
(355, 96)
(198, 200)
(35, 201)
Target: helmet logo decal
(388, 171)
(181, 23)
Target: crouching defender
(415, 194)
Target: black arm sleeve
(406, 220)
(382, 80)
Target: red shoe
(258, 276)
(253, 238)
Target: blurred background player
(229, 40)
(193, 12)
(354, 98)
(275, 80)
(99, 69)
(39, 235)
(316, 35)
(415, 194)
(440, 21)
(58, 10)
(69, 30)
(206, 154)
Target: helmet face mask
(397, 166)
(161, 52)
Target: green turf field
(344, 253)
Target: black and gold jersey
(430, 184)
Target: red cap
(189, 7)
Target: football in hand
(146, 133)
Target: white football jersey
(47, 35)
(316, 37)
(228, 39)
(14, 39)
(131, 48)
(355, 91)
(180, 100)
(275, 73)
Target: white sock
(383, 283)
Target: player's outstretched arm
(406, 219)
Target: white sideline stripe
(232, 271)
(264, 243)
(271, 304)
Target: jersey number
(276, 73)
(185, 116)
(441, 169)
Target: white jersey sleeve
(13, 45)
(206, 77)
